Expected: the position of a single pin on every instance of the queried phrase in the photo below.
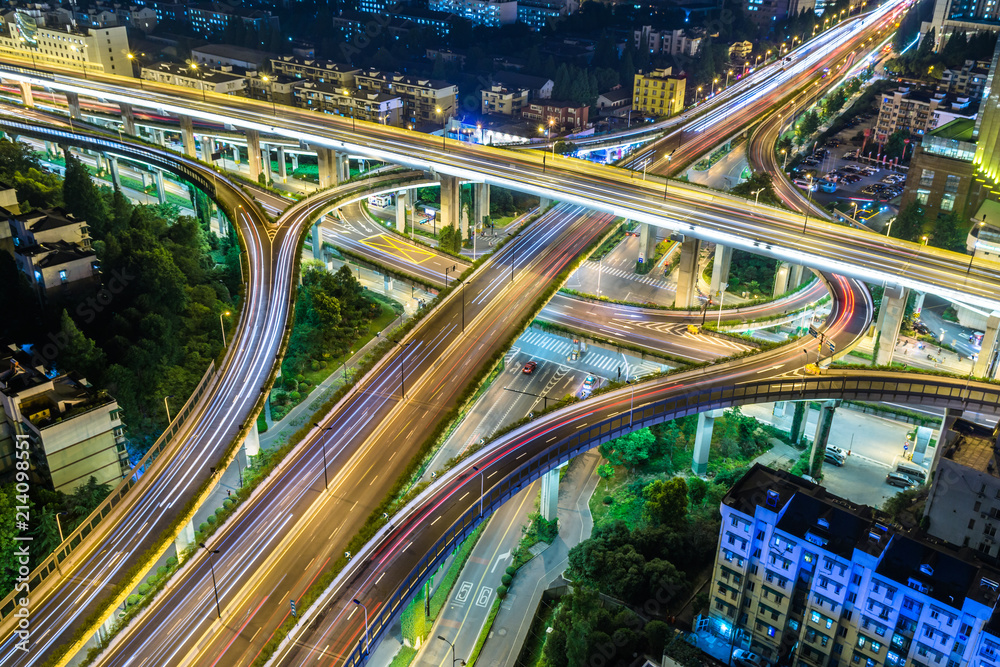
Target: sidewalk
(907, 352)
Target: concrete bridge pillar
(781, 279)
(317, 240)
(295, 161)
(543, 203)
(161, 192)
(647, 242)
(128, 118)
(800, 414)
(26, 96)
(187, 136)
(184, 539)
(985, 362)
(687, 274)
(253, 153)
(918, 303)
(252, 442)
(113, 169)
(481, 199)
(823, 425)
(451, 201)
(720, 268)
(387, 284)
(282, 167)
(325, 163)
(549, 504)
(402, 199)
(236, 154)
(796, 274)
(343, 163)
(890, 318)
(207, 148)
(73, 102)
(703, 440)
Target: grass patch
(403, 657)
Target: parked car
(917, 474)
(834, 458)
(898, 479)
(806, 184)
(744, 658)
(529, 368)
(827, 186)
(921, 328)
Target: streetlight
(444, 128)
(463, 305)
(982, 223)
(631, 405)
(223, 326)
(167, 406)
(714, 81)
(697, 92)
(326, 480)
(453, 658)
(756, 196)
(367, 640)
(482, 487)
(211, 565)
(270, 93)
(354, 122)
(194, 67)
(132, 57)
(728, 74)
(784, 165)
(722, 294)
(402, 381)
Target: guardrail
(51, 564)
(856, 385)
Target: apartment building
(425, 101)
(537, 14)
(224, 81)
(740, 50)
(962, 16)
(217, 56)
(918, 111)
(351, 103)
(97, 50)
(667, 42)
(658, 93)
(213, 17)
(769, 11)
(808, 579)
(559, 116)
(75, 431)
(969, 80)
(310, 69)
(539, 87)
(941, 177)
(490, 13)
(504, 101)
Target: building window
(62, 276)
(923, 196)
(947, 202)
(927, 177)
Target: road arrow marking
(502, 557)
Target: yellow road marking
(398, 248)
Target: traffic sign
(833, 346)
(293, 607)
(813, 332)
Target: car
(529, 367)
(915, 473)
(836, 460)
(898, 479)
(806, 184)
(921, 328)
(827, 186)
(868, 190)
(836, 450)
(590, 382)
(744, 658)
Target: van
(806, 185)
(914, 472)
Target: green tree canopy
(667, 502)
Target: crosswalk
(596, 358)
(628, 275)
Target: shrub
(210, 519)
(511, 570)
(162, 571)
(172, 561)
(220, 511)
(202, 527)
(608, 500)
(132, 599)
(142, 589)
(501, 592)
(227, 503)
(506, 579)
(314, 365)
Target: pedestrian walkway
(647, 279)
(600, 360)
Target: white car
(744, 658)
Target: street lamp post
(696, 94)
(270, 93)
(463, 306)
(631, 405)
(132, 57)
(482, 488)
(402, 377)
(444, 128)
(756, 196)
(453, 658)
(211, 565)
(167, 406)
(326, 480)
(222, 326)
(367, 639)
(722, 293)
(982, 223)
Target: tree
(657, 634)
(683, 652)
(631, 449)
(82, 197)
(78, 352)
(8, 531)
(949, 232)
(809, 124)
(909, 224)
(666, 502)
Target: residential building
(540, 87)
(98, 50)
(667, 42)
(504, 101)
(941, 178)
(770, 11)
(97, 18)
(962, 16)
(213, 17)
(53, 249)
(614, 102)
(351, 25)
(310, 69)
(490, 13)
(439, 23)
(217, 56)
(918, 111)
(277, 88)
(74, 431)
(425, 101)
(537, 14)
(658, 93)
(169, 11)
(450, 57)
(740, 50)
(137, 17)
(224, 81)
(329, 98)
(559, 116)
(969, 80)
(805, 578)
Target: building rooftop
(617, 95)
(959, 129)
(973, 447)
(234, 52)
(405, 79)
(518, 80)
(46, 219)
(209, 76)
(328, 65)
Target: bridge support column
(326, 165)
(387, 284)
(703, 440)
(890, 318)
(481, 200)
(647, 242)
(796, 274)
(800, 414)
(781, 278)
(549, 504)
(687, 274)
(73, 102)
(823, 425)
(317, 240)
(451, 201)
(543, 203)
(184, 539)
(985, 361)
(343, 163)
(402, 199)
(207, 148)
(113, 169)
(253, 153)
(252, 442)
(26, 96)
(187, 136)
(282, 167)
(161, 192)
(128, 118)
(236, 154)
(295, 160)
(720, 268)
(918, 304)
